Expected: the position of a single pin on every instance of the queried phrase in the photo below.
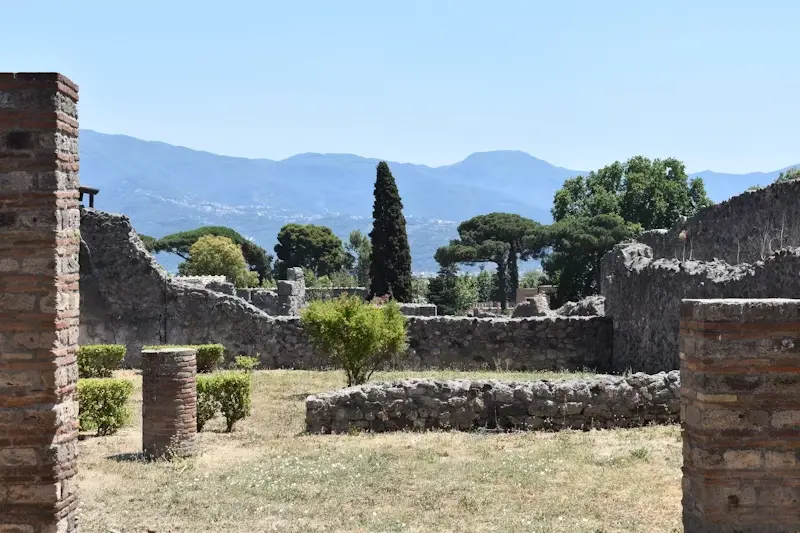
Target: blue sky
(577, 83)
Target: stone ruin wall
(128, 298)
(643, 296)
(643, 283)
(743, 229)
(423, 404)
(269, 300)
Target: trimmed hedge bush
(245, 363)
(103, 404)
(99, 360)
(229, 393)
(207, 405)
(209, 356)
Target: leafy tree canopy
(180, 244)
(452, 293)
(359, 249)
(309, 246)
(578, 245)
(594, 212)
(500, 238)
(211, 255)
(149, 242)
(653, 194)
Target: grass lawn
(267, 476)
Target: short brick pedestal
(740, 396)
(169, 402)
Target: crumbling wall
(127, 298)
(214, 283)
(643, 297)
(264, 299)
(744, 229)
(328, 293)
(420, 404)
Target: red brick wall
(169, 402)
(39, 302)
(740, 396)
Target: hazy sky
(577, 83)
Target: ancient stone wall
(643, 297)
(409, 309)
(264, 299)
(418, 404)
(744, 229)
(740, 396)
(39, 311)
(127, 298)
(292, 292)
(535, 343)
(213, 283)
(328, 293)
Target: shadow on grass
(136, 457)
(299, 397)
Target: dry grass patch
(267, 476)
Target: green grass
(268, 476)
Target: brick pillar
(740, 407)
(39, 303)
(169, 402)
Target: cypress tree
(390, 267)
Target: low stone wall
(419, 404)
(535, 343)
(418, 309)
(330, 293)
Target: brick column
(169, 402)
(39, 303)
(740, 407)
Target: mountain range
(165, 188)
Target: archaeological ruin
(39, 303)
(740, 409)
(605, 402)
(711, 296)
(169, 402)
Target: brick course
(39, 302)
(740, 407)
(169, 402)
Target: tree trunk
(501, 291)
(513, 275)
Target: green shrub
(99, 360)
(245, 363)
(207, 405)
(357, 336)
(233, 391)
(209, 356)
(229, 393)
(102, 404)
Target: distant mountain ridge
(165, 188)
